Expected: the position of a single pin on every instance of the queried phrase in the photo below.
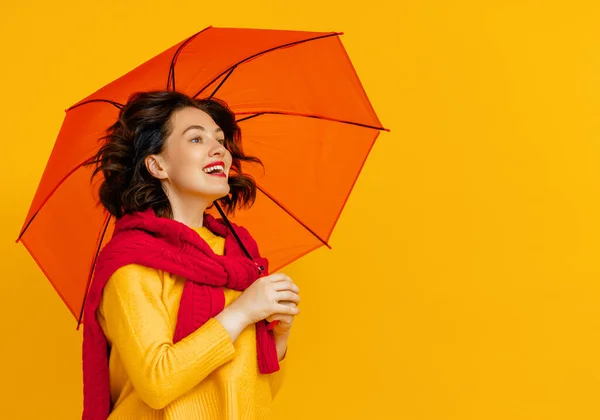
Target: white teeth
(214, 169)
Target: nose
(217, 149)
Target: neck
(189, 210)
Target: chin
(217, 194)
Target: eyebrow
(201, 128)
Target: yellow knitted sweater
(204, 376)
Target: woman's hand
(284, 322)
(281, 331)
(267, 296)
(270, 295)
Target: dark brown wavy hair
(143, 125)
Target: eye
(221, 141)
(196, 140)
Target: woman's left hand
(285, 322)
(281, 331)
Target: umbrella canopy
(302, 111)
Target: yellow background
(464, 277)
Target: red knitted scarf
(164, 244)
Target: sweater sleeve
(136, 322)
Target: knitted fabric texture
(163, 244)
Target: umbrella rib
(117, 105)
(222, 81)
(62, 181)
(298, 114)
(171, 76)
(240, 120)
(290, 44)
(91, 273)
(274, 200)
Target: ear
(155, 164)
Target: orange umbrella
(302, 111)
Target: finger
(287, 296)
(287, 319)
(286, 310)
(287, 285)
(290, 304)
(277, 277)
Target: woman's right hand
(267, 296)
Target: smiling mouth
(215, 170)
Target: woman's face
(194, 160)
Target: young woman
(182, 320)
